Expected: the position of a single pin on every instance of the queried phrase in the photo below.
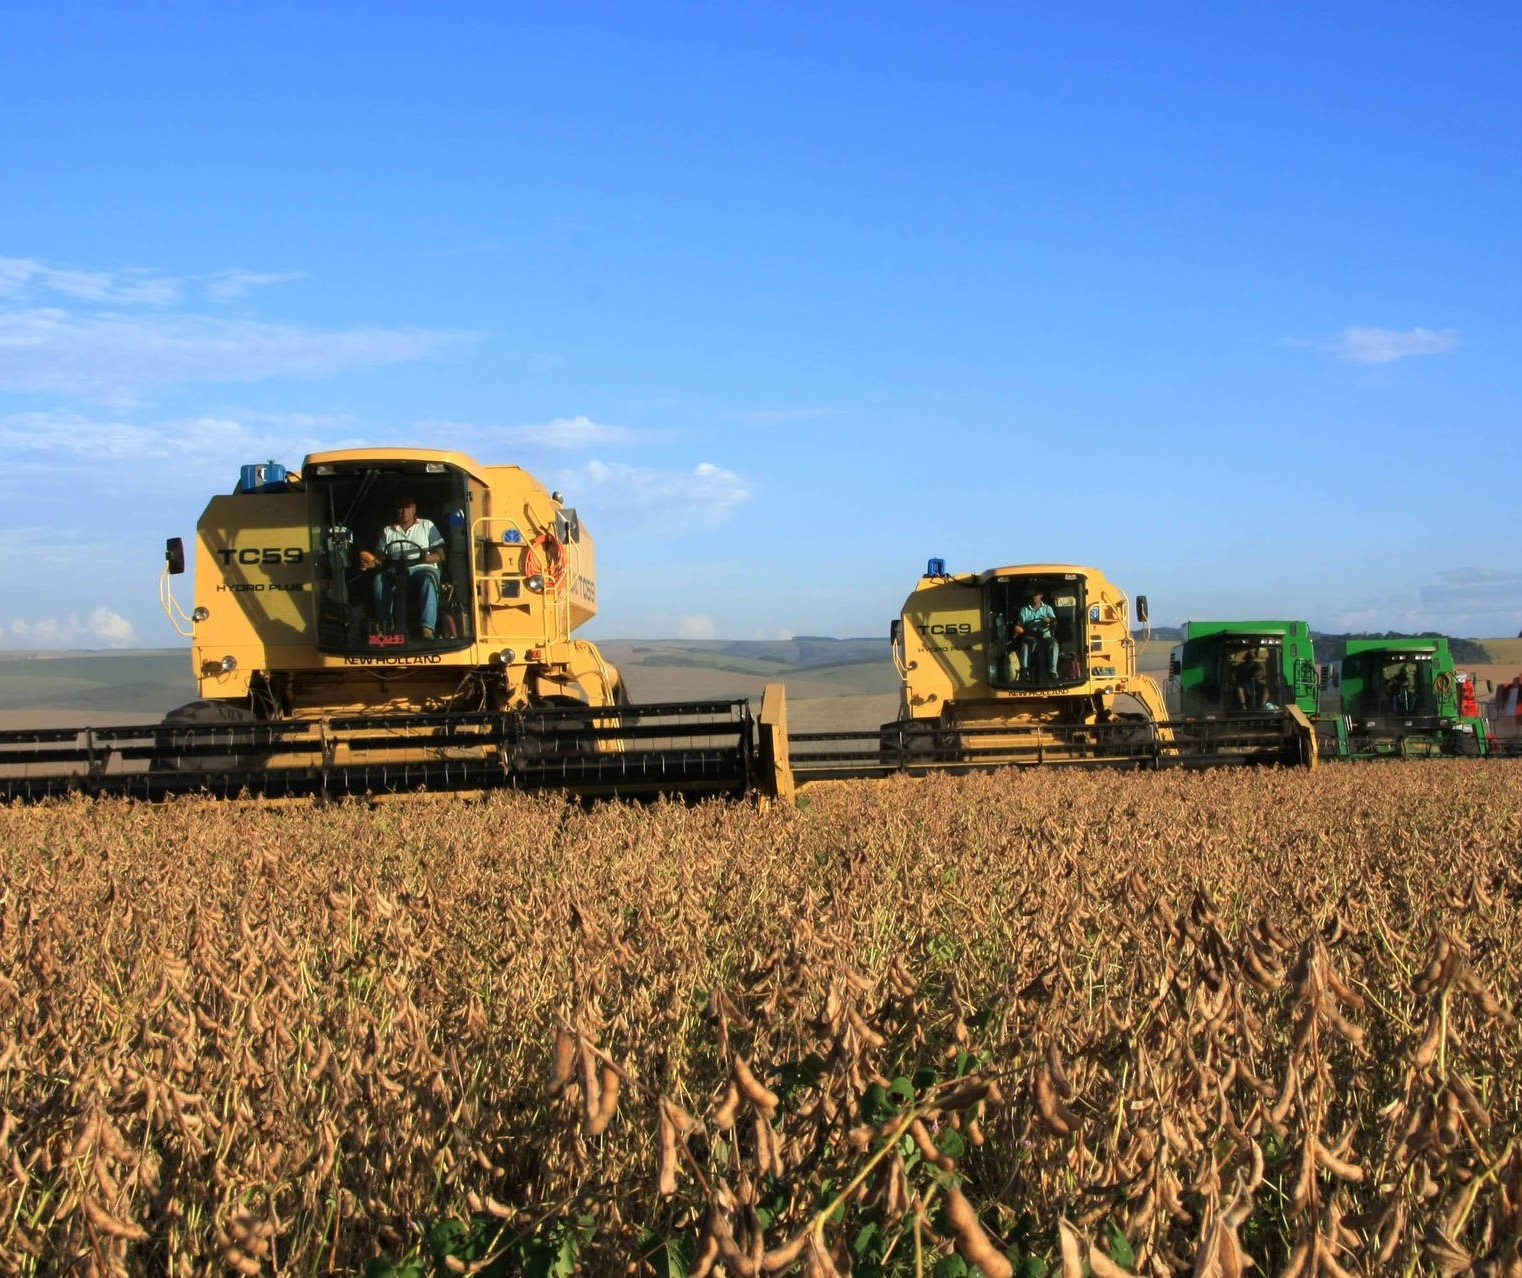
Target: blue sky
(787, 298)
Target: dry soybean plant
(1012, 1023)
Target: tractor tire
(176, 736)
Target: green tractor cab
(1244, 686)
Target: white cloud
(102, 628)
(110, 356)
(1468, 602)
(695, 627)
(71, 438)
(704, 494)
(233, 283)
(121, 469)
(1356, 620)
(311, 423)
(1384, 345)
(83, 333)
(26, 276)
(48, 550)
(111, 628)
(1482, 601)
(560, 434)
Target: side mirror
(895, 630)
(1175, 667)
(174, 555)
(567, 527)
(1141, 608)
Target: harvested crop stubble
(1155, 1023)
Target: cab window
(1037, 632)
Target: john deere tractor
(1400, 698)
(1247, 688)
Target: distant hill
(753, 656)
(1466, 652)
(151, 681)
(811, 666)
(1505, 651)
(87, 686)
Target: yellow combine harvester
(388, 620)
(1027, 665)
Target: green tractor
(1246, 688)
(1401, 698)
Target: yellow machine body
(1022, 666)
(965, 659)
(284, 610)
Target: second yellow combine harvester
(1031, 665)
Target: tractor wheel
(908, 743)
(175, 742)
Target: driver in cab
(1035, 636)
(419, 545)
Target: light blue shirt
(1038, 618)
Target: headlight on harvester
(200, 614)
(535, 583)
(504, 658)
(228, 664)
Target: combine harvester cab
(1402, 698)
(337, 655)
(1248, 691)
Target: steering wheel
(408, 553)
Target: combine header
(1032, 665)
(387, 620)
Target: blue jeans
(423, 592)
(1046, 647)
